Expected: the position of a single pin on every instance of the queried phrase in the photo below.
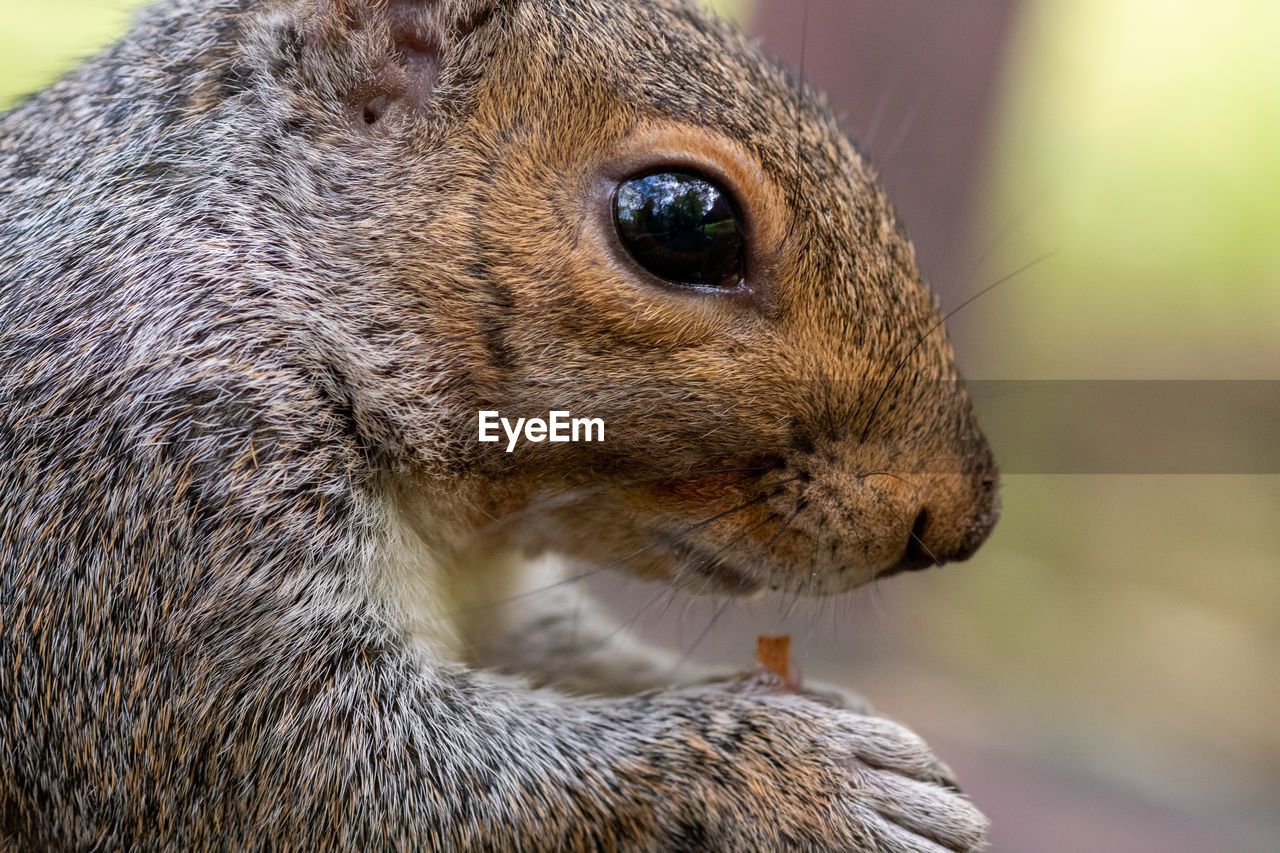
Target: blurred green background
(1104, 674)
(41, 40)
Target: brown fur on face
(824, 386)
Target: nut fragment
(774, 654)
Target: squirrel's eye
(682, 228)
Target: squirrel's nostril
(940, 534)
(917, 528)
(918, 554)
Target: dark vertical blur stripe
(935, 63)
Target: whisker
(666, 540)
(893, 375)
(795, 113)
(626, 626)
(937, 564)
(885, 474)
(992, 286)
(670, 591)
(791, 608)
(877, 599)
(715, 617)
(829, 605)
(804, 51)
(570, 495)
(671, 588)
(1015, 222)
(901, 518)
(882, 105)
(736, 539)
(801, 504)
(904, 127)
(813, 560)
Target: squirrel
(263, 262)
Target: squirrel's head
(619, 209)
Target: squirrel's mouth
(712, 571)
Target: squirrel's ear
(392, 49)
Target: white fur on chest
(445, 597)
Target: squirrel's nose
(954, 519)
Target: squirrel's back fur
(262, 263)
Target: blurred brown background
(1103, 674)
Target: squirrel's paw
(903, 793)
(833, 696)
(838, 696)
(819, 778)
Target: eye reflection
(682, 227)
